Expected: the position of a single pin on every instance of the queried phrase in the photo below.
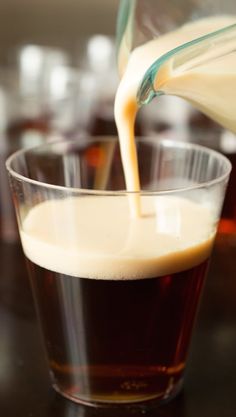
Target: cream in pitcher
(209, 86)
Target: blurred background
(59, 23)
(58, 78)
(57, 68)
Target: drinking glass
(116, 309)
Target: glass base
(116, 401)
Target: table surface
(210, 384)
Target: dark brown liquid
(117, 340)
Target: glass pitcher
(140, 21)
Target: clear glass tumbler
(117, 296)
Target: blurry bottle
(37, 100)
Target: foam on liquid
(94, 237)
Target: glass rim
(91, 139)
